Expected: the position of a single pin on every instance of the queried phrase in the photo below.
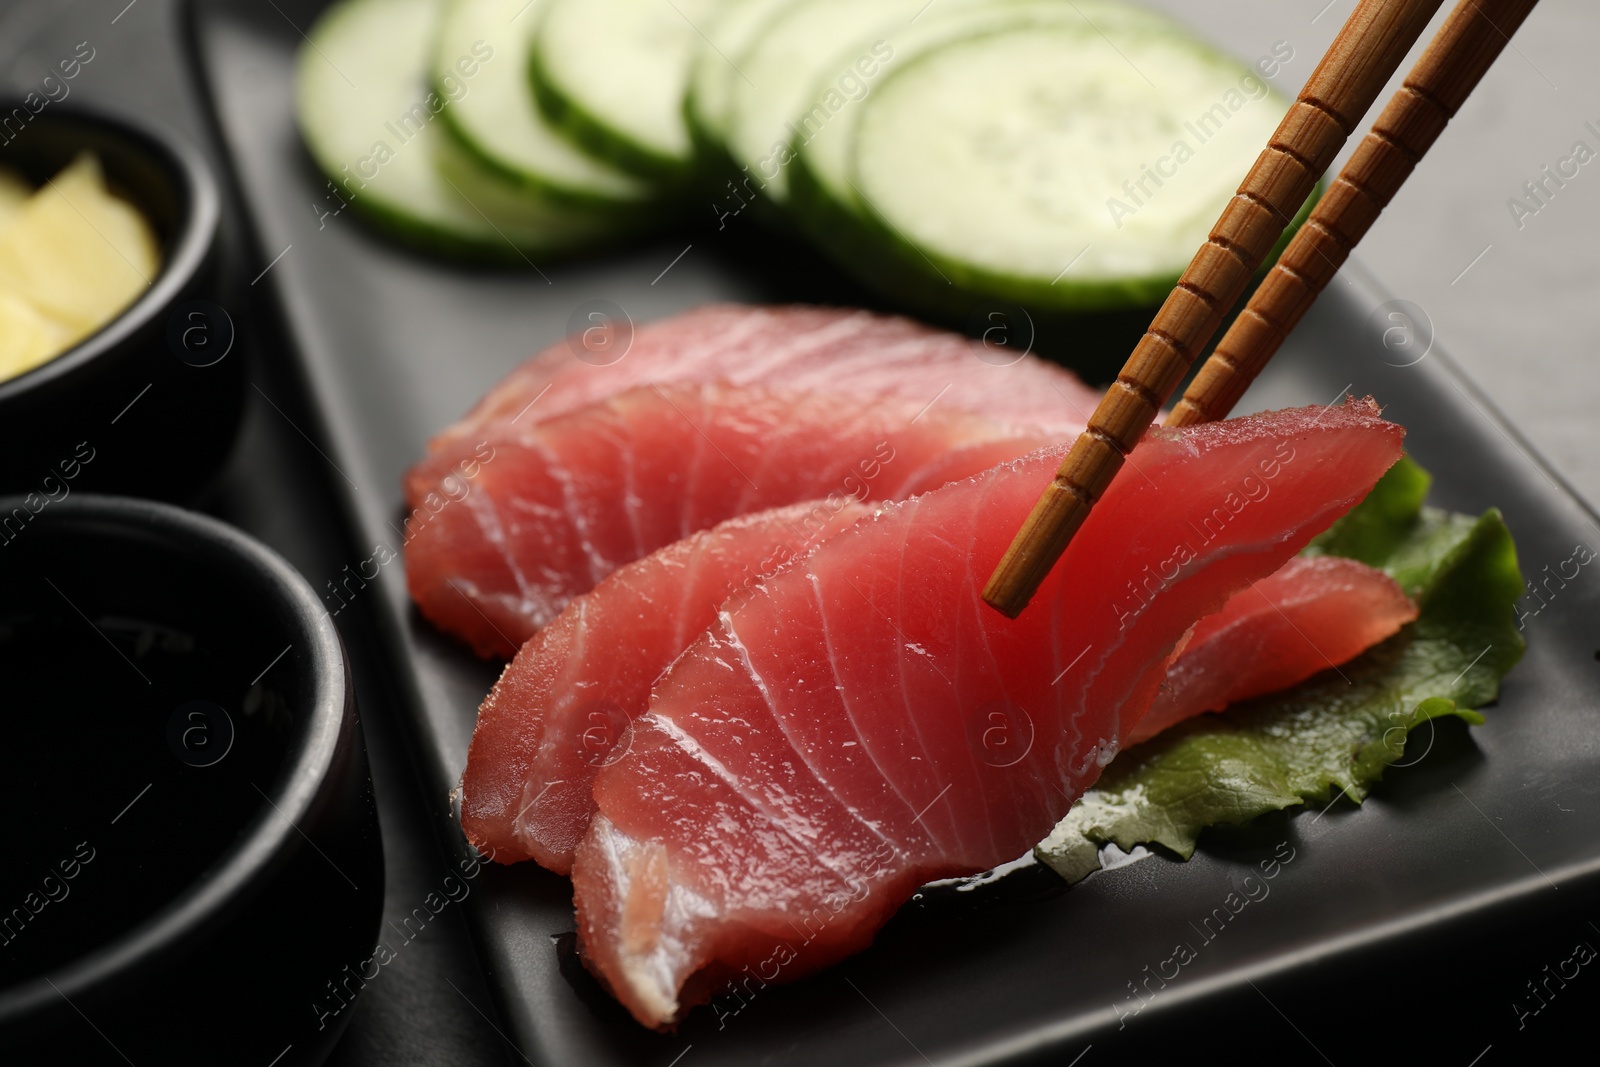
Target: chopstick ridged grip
(1365, 54)
(1468, 43)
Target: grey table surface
(1507, 292)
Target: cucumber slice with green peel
(373, 126)
(1058, 167)
(714, 69)
(784, 65)
(612, 75)
(494, 116)
(821, 199)
(822, 163)
(815, 60)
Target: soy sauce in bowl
(191, 848)
(135, 749)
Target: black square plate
(396, 346)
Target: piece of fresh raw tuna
(862, 723)
(1310, 616)
(557, 712)
(557, 506)
(794, 348)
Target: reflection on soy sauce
(129, 762)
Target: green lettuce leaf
(1328, 733)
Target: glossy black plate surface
(396, 346)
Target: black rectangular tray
(395, 346)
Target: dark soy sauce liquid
(119, 782)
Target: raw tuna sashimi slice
(862, 723)
(795, 348)
(1312, 615)
(557, 712)
(559, 505)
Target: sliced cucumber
(613, 73)
(372, 125)
(715, 69)
(784, 64)
(481, 62)
(1000, 161)
(823, 156)
(821, 199)
(813, 61)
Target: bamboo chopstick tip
(1007, 601)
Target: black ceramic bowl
(154, 396)
(192, 871)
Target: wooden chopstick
(1362, 58)
(1472, 37)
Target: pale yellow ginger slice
(77, 253)
(27, 338)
